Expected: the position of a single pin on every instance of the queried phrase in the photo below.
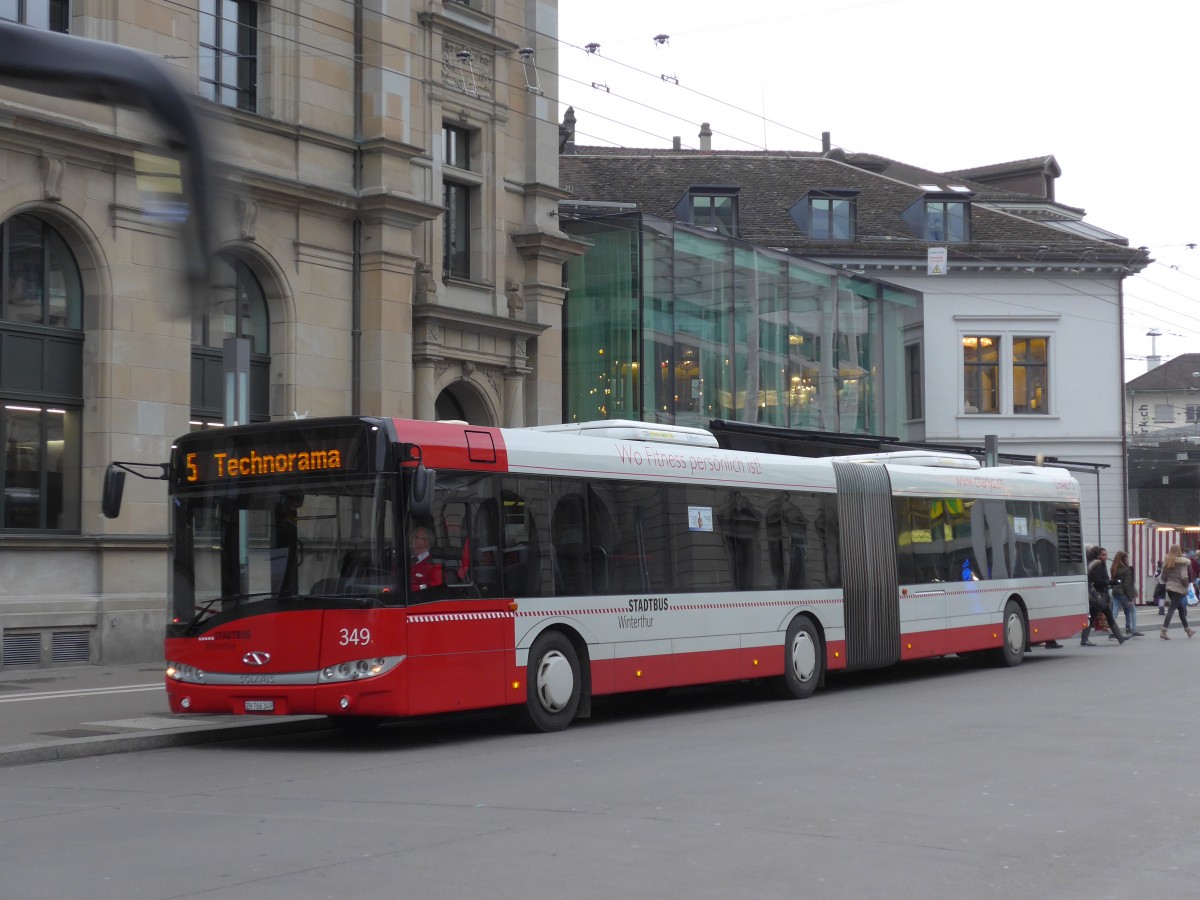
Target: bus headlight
(354, 669)
(183, 672)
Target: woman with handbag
(1176, 575)
(1160, 589)
(1099, 603)
(1124, 593)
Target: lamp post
(1195, 411)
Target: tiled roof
(1173, 375)
(770, 182)
(1034, 163)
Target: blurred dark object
(75, 68)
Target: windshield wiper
(207, 608)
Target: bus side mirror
(420, 495)
(114, 489)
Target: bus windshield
(252, 548)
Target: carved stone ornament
(53, 168)
(425, 285)
(516, 303)
(519, 351)
(432, 333)
(468, 368)
(247, 218)
(495, 381)
(468, 69)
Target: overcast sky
(1108, 88)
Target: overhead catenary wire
(327, 26)
(315, 50)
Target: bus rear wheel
(1012, 651)
(553, 683)
(802, 660)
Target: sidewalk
(76, 711)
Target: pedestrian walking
(1124, 593)
(1099, 602)
(1177, 575)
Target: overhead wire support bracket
(466, 73)
(532, 83)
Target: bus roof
(628, 430)
(916, 458)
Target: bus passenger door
(924, 574)
(460, 629)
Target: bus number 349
(359, 637)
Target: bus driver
(423, 572)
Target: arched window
(41, 377)
(237, 308)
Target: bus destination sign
(269, 454)
(221, 465)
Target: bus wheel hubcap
(804, 657)
(1015, 634)
(555, 681)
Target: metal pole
(236, 361)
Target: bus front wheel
(802, 656)
(554, 684)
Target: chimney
(825, 144)
(676, 143)
(566, 133)
(705, 136)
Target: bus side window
(905, 566)
(485, 550)
(780, 536)
(698, 558)
(926, 540)
(521, 511)
(600, 531)
(740, 525)
(572, 555)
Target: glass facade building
(675, 324)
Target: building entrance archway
(462, 401)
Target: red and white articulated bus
(371, 567)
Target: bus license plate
(260, 706)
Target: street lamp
(1194, 410)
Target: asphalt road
(1070, 776)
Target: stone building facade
(386, 237)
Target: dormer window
(827, 214)
(946, 220)
(942, 218)
(715, 208)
